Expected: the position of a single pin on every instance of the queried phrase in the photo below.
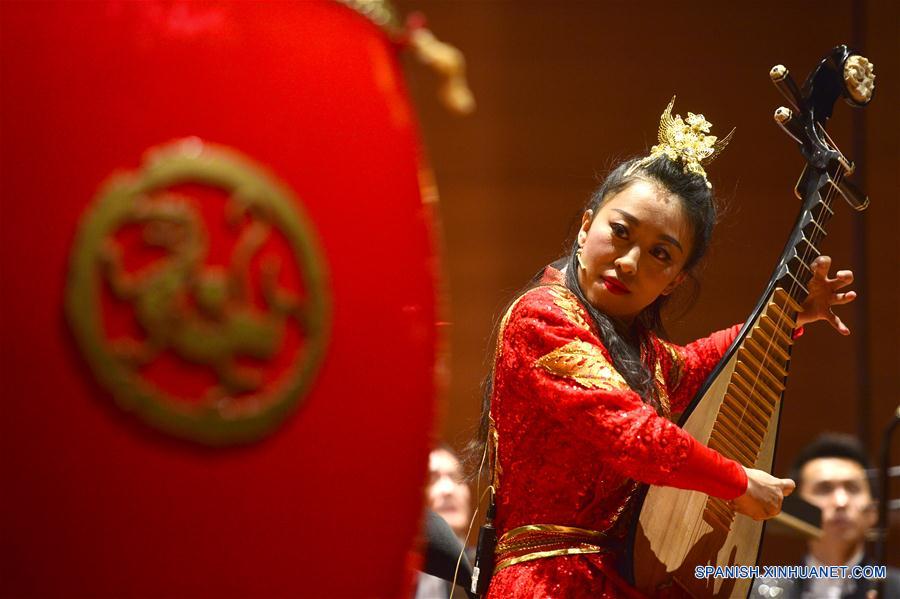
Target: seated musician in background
(579, 402)
(831, 473)
(448, 495)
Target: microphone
(485, 555)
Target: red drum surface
(219, 302)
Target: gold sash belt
(536, 541)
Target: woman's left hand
(823, 295)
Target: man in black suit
(831, 473)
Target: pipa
(737, 409)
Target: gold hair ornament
(686, 139)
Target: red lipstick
(614, 286)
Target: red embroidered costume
(573, 441)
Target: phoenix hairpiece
(687, 140)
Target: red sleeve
(693, 363)
(563, 373)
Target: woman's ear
(586, 220)
(678, 280)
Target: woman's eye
(662, 254)
(619, 230)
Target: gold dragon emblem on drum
(197, 294)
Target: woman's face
(634, 249)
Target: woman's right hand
(764, 494)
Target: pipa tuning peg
(856, 197)
(782, 79)
(784, 116)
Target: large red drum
(218, 308)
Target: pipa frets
(757, 383)
(717, 514)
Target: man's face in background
(448, 493)
(840, 488)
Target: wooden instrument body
(738, 409)
(697, 530)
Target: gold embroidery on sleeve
(569, 305)
(661, 390)
(503, 321)
(676, 373)
(584, 363)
